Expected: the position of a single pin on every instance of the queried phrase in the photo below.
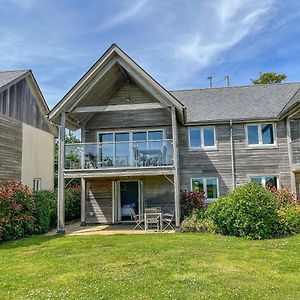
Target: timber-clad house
(26, 135)
(141, 145)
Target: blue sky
(179, 42)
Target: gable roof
(255, 102)
(112, 57)
(7, 77)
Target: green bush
(198, 222)
(16, 211)
(72, 205)
(289, 218)
(45, 210)
(249, 211)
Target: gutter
(232, 156)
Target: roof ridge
(236, 86)
(20, 70)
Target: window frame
(205, 186)
(260, 138)
(202, 146)
(263, 177)
(131, 141)
(36, 184)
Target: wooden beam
(289, 140)
(83, 185)
(120, 107)
(101, 173)
(176, 167)
(61, 180)
(124, 74)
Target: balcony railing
(119, 154)
(295, 149)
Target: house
(26, 135)
(141, 144)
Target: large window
(202, 137)
(269, 181)
(260, 134)
(207, 185)
(118, 148)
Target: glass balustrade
(119, 154)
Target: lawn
(151, 266)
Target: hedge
(23, 212)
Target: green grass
(151, 266)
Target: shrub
(16, 211)
(46, 208)
(198, 223)
(45, 211)
(289, 218)
(249, 211)
(192, 201)
(284, 196)
(72, 205)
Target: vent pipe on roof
(209, 78)
(226, 78)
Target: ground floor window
(37, 184)
(270, 181)
(207, 185)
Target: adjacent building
(26, 135)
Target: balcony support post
(83, 185)
(176, 167)
(61, 179)
(290, 152)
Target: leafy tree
(269, 77)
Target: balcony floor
(119, 172)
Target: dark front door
(129, 192)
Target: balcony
(119, 155)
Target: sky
(179, 42)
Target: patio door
(127, 195)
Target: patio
(74, 228)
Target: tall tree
(269, 77)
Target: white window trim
(202, 138)
(205, 186)
(263, 176)
(260, 143)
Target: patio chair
(138, 219)
(168, 220)
(152, 218)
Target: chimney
(209, 78)
(226, 78)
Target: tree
(269, 77)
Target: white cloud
(125, 14)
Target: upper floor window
(202, 137)
(269, 181)
(209, 186)
(260, 134)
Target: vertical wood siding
(18, 102)
(10, 149)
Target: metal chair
(139, 219)
(168, 220)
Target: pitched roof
(237, 103)
(7, 77)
